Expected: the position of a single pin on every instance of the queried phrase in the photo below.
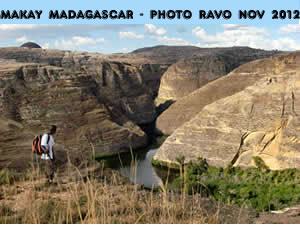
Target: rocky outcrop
(187, 107)
(254, 112)
(30, 45)
(96, 102)
(189, 74)
(34, 96)
(131, 88)
(287, 216)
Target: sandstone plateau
(102, 104)
(253, 111)
(185, 108)
(191, 73)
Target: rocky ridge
(254, 111)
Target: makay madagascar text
(153, 14)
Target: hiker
(48, 156)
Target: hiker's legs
(36, 162)
(50, 170)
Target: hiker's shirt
(48, 146)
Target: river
(137, 166)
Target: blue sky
(125, 38)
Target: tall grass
(99, 197)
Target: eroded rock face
(131, 88)
(96, 103)
(260, 120)
(191, 73)
(184, 109)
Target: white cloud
(77, 42)
(130, 35)
(290, 28)
(54, 31)
(235, 26)
(285, 43)
(64, 27)
(232, 35)
(14, 27)
(242, 35)
(172, 41)
(125, 50)
(22, 39)
(46, 45)
(154, 30)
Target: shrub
(259, 187)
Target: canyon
(104, 104)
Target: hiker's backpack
(36, 144)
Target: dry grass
(88, 198)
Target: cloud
(66, 27)
(154, 30)
(232, 35)
(76, 43)
(130, 35)
(234, 26)
(79, 41)
(172, 41)
(125, 50)
(22, 39)
(243, 35)
(53, 31)
(290, 28)
(46, 45)
(285, 43)
(14, 27)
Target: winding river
(137, 166)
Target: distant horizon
(145, 47)
(112, 39)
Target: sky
(126, 38)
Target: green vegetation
(7, 176)
(259, 187)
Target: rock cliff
(34, 96)
(129, 87)
(184, 109)
(191, 73)
(254, 111)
